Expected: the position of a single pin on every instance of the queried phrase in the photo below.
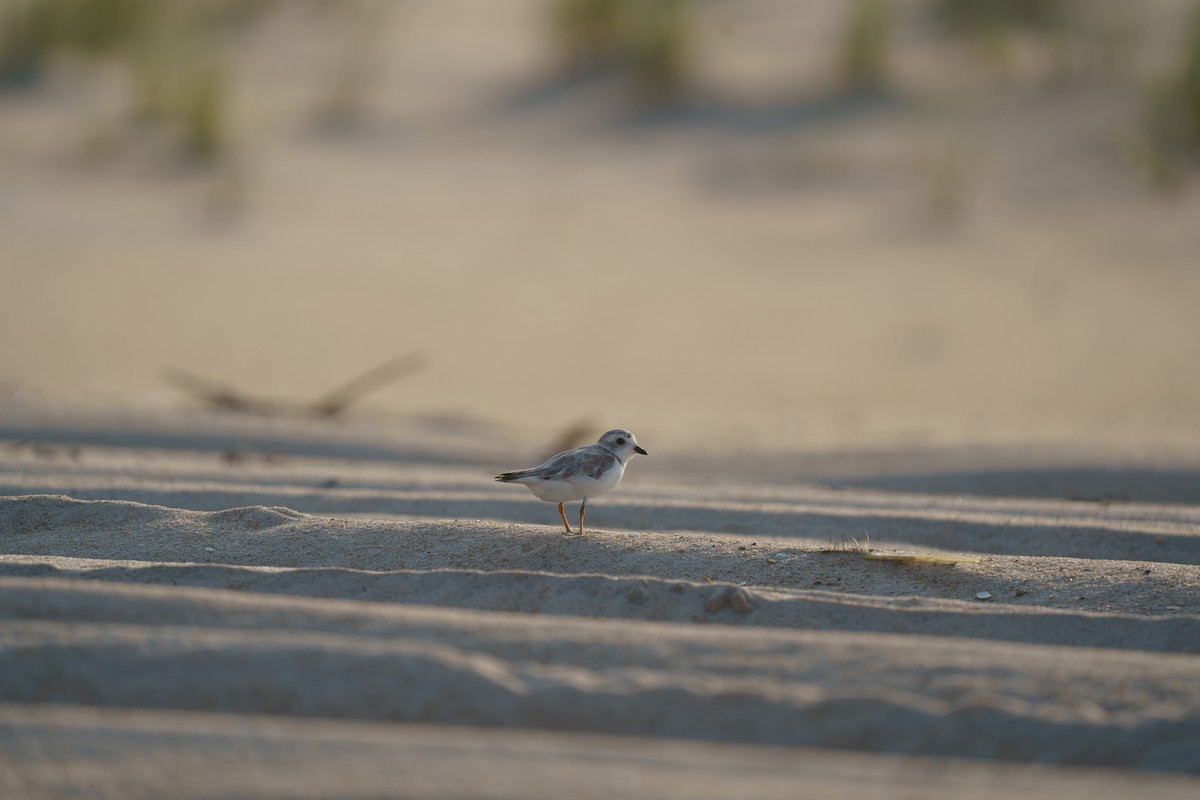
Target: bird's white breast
(576, 487)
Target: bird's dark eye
(621, 440)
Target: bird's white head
(621, 444)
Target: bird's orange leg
(582, 508)
(563, 514)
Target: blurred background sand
(765, 245)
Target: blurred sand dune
(783, 288)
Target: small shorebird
(579, 474)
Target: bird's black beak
(637, 449)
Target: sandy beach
(175, 619)
(915, 367)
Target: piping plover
(579, 474)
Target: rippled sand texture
(307, 625)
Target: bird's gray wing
(590, 461)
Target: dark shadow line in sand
(557, 89)
(1086, 484)
(601, 87)
(1136, 494)
(1087, 540)
(1016, 471)
(879, 470)
(345, 677)
(1148, 495)
(209, 441)
(654, 599)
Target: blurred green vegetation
(994, 25)
(989, 17)
(167, 49)
(186, 92)
(31, 31)
(1187, 85)
(175, 56)
(646, 39)
(1170, 130)
(865, 46)
(590, 31)
(346, 98)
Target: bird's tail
(506, 477)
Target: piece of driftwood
(226, 397)
(341, 398)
